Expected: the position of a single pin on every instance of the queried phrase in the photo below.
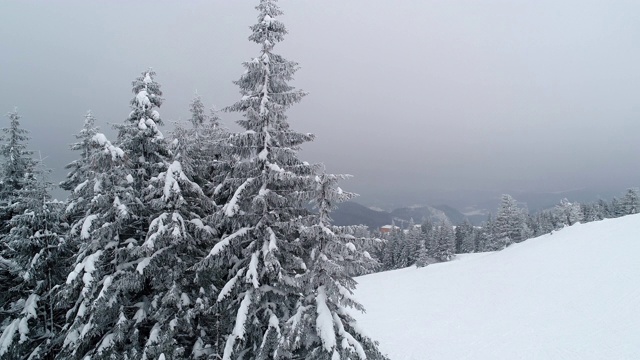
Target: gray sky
(409, 96)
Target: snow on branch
(239, 328)
(231, 208)
(225, 242)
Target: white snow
(142, 99)
(574, 294)
(252, 273)
(7, 336)
(225, 241)
(201, 226)
(109, 148)
(231, 207)
(229, 286)
(324, 321)
(238, 329)
(106, 343)
(86, 226)
(80, 186)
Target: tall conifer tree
(264, 219)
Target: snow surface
(573, 294)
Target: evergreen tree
(427, 229)
(604, 210)
(444, 241)
(630, 203)
(176, 239)
(36, 249)
(199, 147)
(510, 225)
(262, 251)
(117, 292)
(412, 243)
(615, 208)
(423, 255)
(264, 196)
(80, 176)
(398, 245)
(568, 213)
(465, 238)
(486, 241)
(17, 171)
(140, 136)
(321, 326)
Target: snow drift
(573, 294)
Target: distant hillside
(572, 294)
(455, 216)
(419, 214)
(352, 213)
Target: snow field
(573, 294)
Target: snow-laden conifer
(264, 194)
(36, 249)
(110, 296)
(140, 136)
(412, 243)
(79, 180)
(261, 252)
(465, 238)
(510, 226)
(444, 239)
(321, 326)
(568, 213)
(199, 146)
(18, 167)
(631, 202)
(175, 241)
(93, 292)
(17, 172)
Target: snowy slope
(574, 294)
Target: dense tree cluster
(428, 243)
(196, 245)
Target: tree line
(432, 242)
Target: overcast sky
(409, 96)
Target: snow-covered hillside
(574, 294)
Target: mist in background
(422, 101)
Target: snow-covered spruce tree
(122, 300)
(392, 254)
(16, 172)
(261, 251)
(568, 213)
(264, 195)
(81, 174)
(510, 226)
(427, 229)
(444, 242)
(423, 255)
(412, 243)
(176, 240)
(18, 167)
(321, 326)
(465, 238)
(35, 242)
(199, 146)
(140, 136)
(631, 202)
(99, 234)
